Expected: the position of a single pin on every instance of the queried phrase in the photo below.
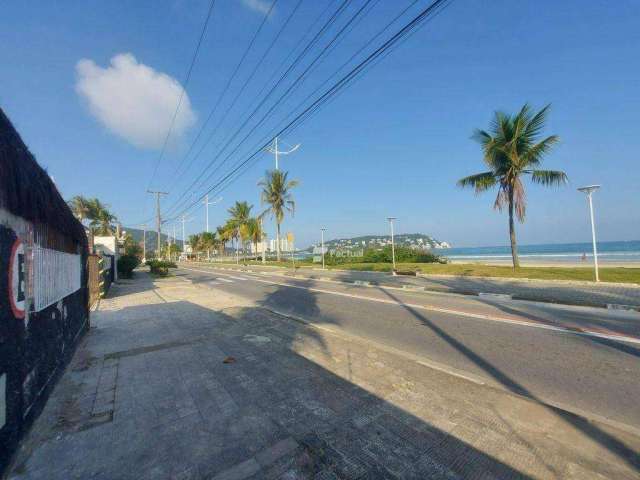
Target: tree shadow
(605, 439)
(575, 320)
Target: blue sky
(393, 144)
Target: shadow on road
(608, 323)
(609, 442)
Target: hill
(152, 237)
(413, 240)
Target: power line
(309, 45)
(277, 102)
(231, 78)
(244, 86)
(431, 10)
(185, 83)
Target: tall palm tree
(81, 207)
(240, 214)
(207, 242)
(276, 192)
(254, 233)
(512, 149)
(223, 238)
(101, 218)
(194, 242)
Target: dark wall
(34, 345)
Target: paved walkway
(565, 292)
(176, 382)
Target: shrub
(126, 265)
(403, 255)
(158, 267)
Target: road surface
(584, 360)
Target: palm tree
(240, 214)
(194, 242)
(513, 149)
(81, 207)
(223, 238)
(253, 231)
(231, 233)
(101, 218)
(276, 192)
(207, 242)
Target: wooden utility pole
(158, 218)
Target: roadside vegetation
(160, 268)
(97, 214)
(607, 274)
(244, 229)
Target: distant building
(262, 246)
(284, 245)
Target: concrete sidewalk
(554, 291)
(177, 381)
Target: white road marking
(480, 316)
(226, 280)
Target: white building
(262, 246)
(284, 245)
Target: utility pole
(206, 204)
(158, 217)
(322, 246)
(393, 247)
(264, 242)
(175, 236)
(144, 242)
(184, 219)
(274, 149)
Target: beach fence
(44, 294)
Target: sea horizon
(609, 251)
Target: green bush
(403, 255)
(126, 265)
(160, 267)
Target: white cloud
(133, 100)
(258, 5)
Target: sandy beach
(548, 263)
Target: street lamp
(589, 191)
(322, 246)
(393, 247)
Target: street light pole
(207, 203)
(184, 219)
(322, 245)
(589, 191)
(393, 247)
(277, 152)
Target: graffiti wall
(43, 293)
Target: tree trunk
(278, 241)
(512, 233)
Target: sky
(93, 87)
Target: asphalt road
(528, 348)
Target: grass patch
(607, 274)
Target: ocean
(608, 252)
